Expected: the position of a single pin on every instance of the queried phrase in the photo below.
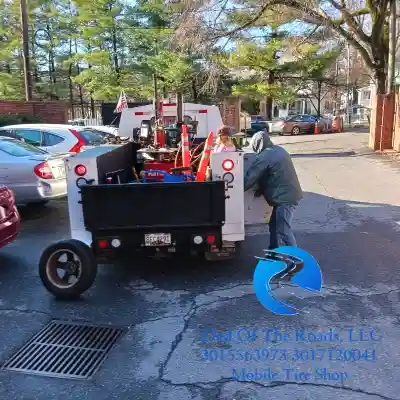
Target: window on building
(366, 95)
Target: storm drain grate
(65, 350)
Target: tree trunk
(195, 94)
(80, 86)
(92, 109)
(319, 86)
(115, 48)
(380, 77)
(270, 100)
(35, 69)
(71, 86)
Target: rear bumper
(40, 191)
(9, 229)
(279, 129)
(53, 189)
(182, 241)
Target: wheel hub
(66, 261)
(71, 267)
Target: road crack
(178, 338)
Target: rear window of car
(19, 149)
(91, 136)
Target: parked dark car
(257, 126)
(301, 124)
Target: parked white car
(34, 175)
(54, 138)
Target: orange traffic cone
(336, 125)
(205, 158)
(316, 129)
(185, 147)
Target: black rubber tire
(88, 273)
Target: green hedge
(12, 119)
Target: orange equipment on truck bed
(205, 158)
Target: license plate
(157, 239)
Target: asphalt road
(348, 220)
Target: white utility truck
(112, 215)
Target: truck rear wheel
(78, 264)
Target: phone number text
(278, 354)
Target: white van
(208, 117)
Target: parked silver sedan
(34, 175)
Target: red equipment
(159, 138)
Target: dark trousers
(280, 228)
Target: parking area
(195, 330)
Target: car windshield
(19, 149)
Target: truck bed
(141, 206)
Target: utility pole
(392, 48)
(25, 47)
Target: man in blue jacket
(274, 173)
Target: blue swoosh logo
(309, 278)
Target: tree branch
(349, 19)
(319, 18)
(246, 24)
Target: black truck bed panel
(138, 206)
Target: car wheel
(296, 130)
(78, 264)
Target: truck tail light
(80, 170)
(105, 244)
(102, 244)
(210, 239)
(81, 142)
(43, 171)
(228, 165)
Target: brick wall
(52, 112)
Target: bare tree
(363, 24)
